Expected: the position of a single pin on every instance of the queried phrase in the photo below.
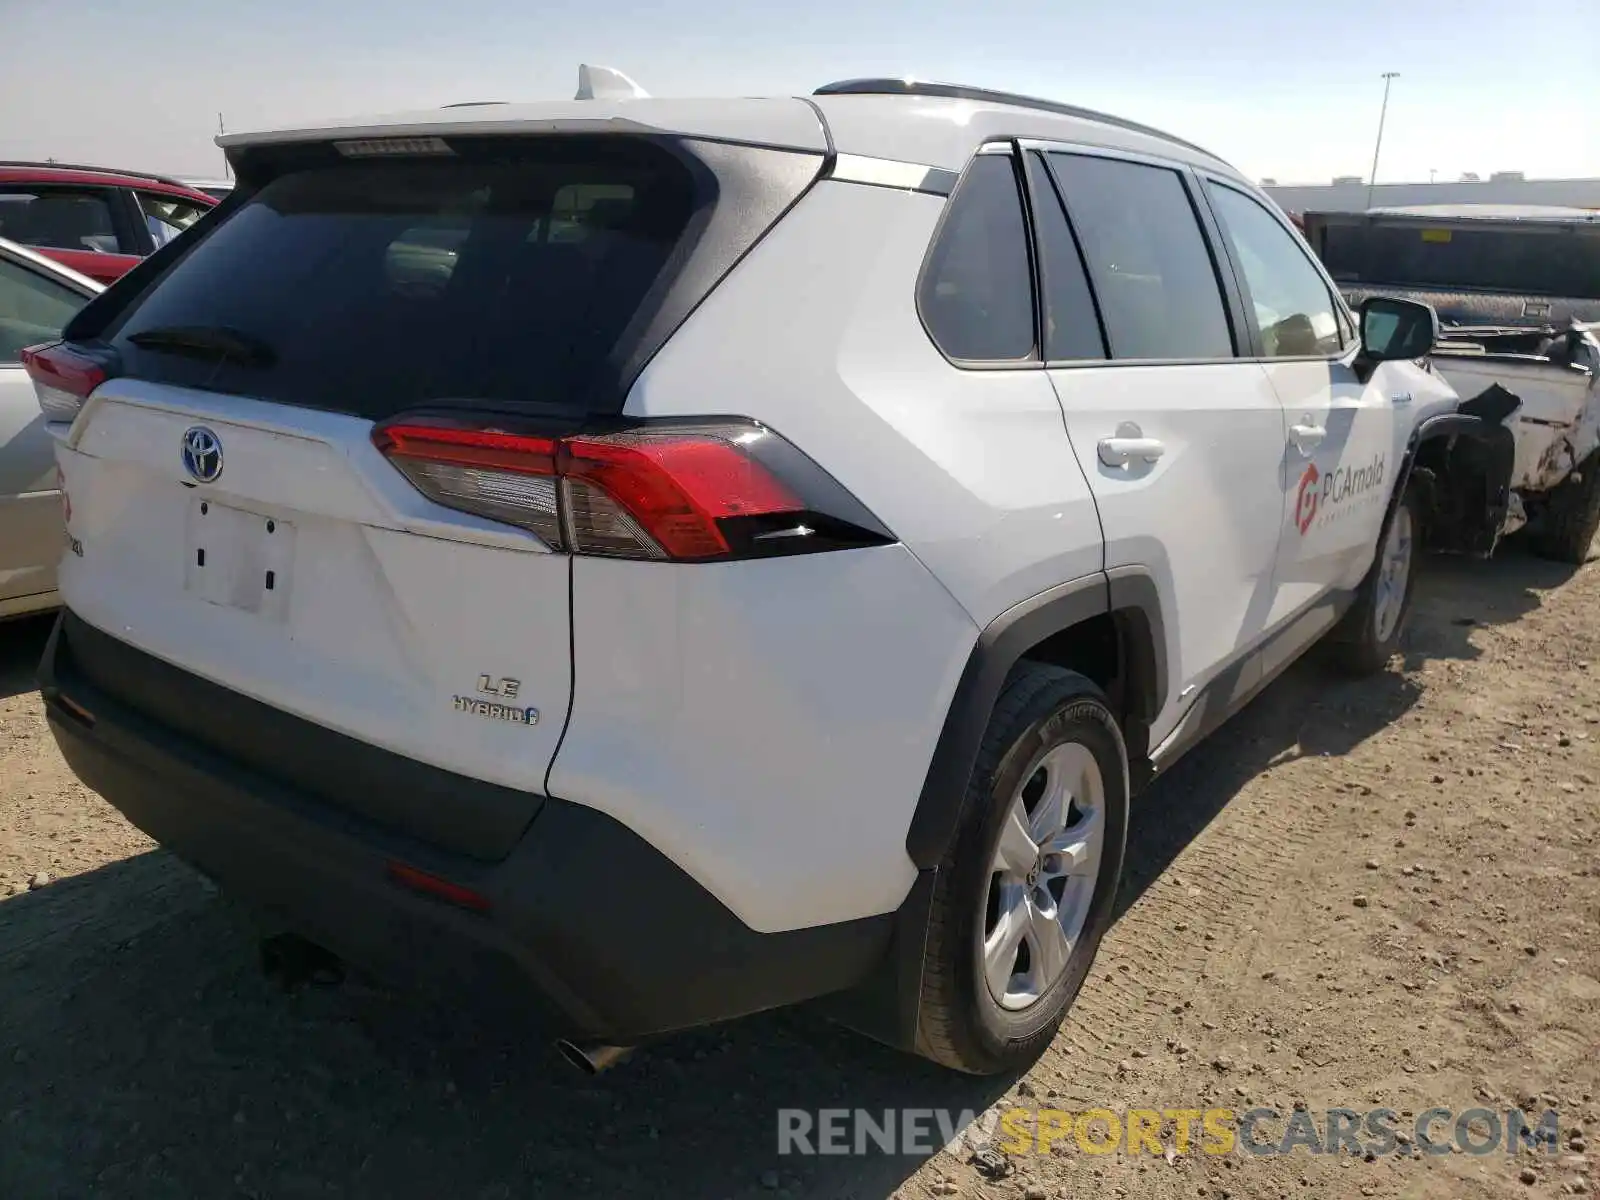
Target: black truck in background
(1517, 291)
(1477, 264)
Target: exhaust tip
(592, 1057)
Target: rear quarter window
(976, 290)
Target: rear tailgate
(306, 579)
(231, 517)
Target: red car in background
(97, 221)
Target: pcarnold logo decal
(1325, 497)
(1305, 508)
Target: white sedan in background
(37, 298)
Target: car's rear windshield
(1538, 262)
(369, 286)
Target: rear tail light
(505, 477)
(699, 492)
(62, 378)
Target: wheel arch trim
(1128, 594)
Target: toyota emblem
(202, 454)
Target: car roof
(937, 125)
(944, 130)
(86, 176)
(48, 266)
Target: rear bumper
(584, 920)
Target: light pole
(1372, 179)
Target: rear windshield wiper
(207, 340)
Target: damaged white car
(1517, 291)
(1555, 474)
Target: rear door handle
(1307, 438)
(1121, 451)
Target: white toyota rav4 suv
(692, 557)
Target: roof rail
(62, 166)
(955, 91)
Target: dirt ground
(1355, 894)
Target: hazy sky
(1289, 90)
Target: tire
(1572, 516)
(1052, 724)
(1371, 631)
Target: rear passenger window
(1071, 326)
(976, 294)
(1152, 272)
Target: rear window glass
(1519, 262)
(380, 285)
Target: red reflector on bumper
(74, 709)
(440, 889)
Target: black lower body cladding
(450, 812)
(583, 917)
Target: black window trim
(1210, 235)
(93, 318)
(997, 147)
(1041, 282)
(1342, 314)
